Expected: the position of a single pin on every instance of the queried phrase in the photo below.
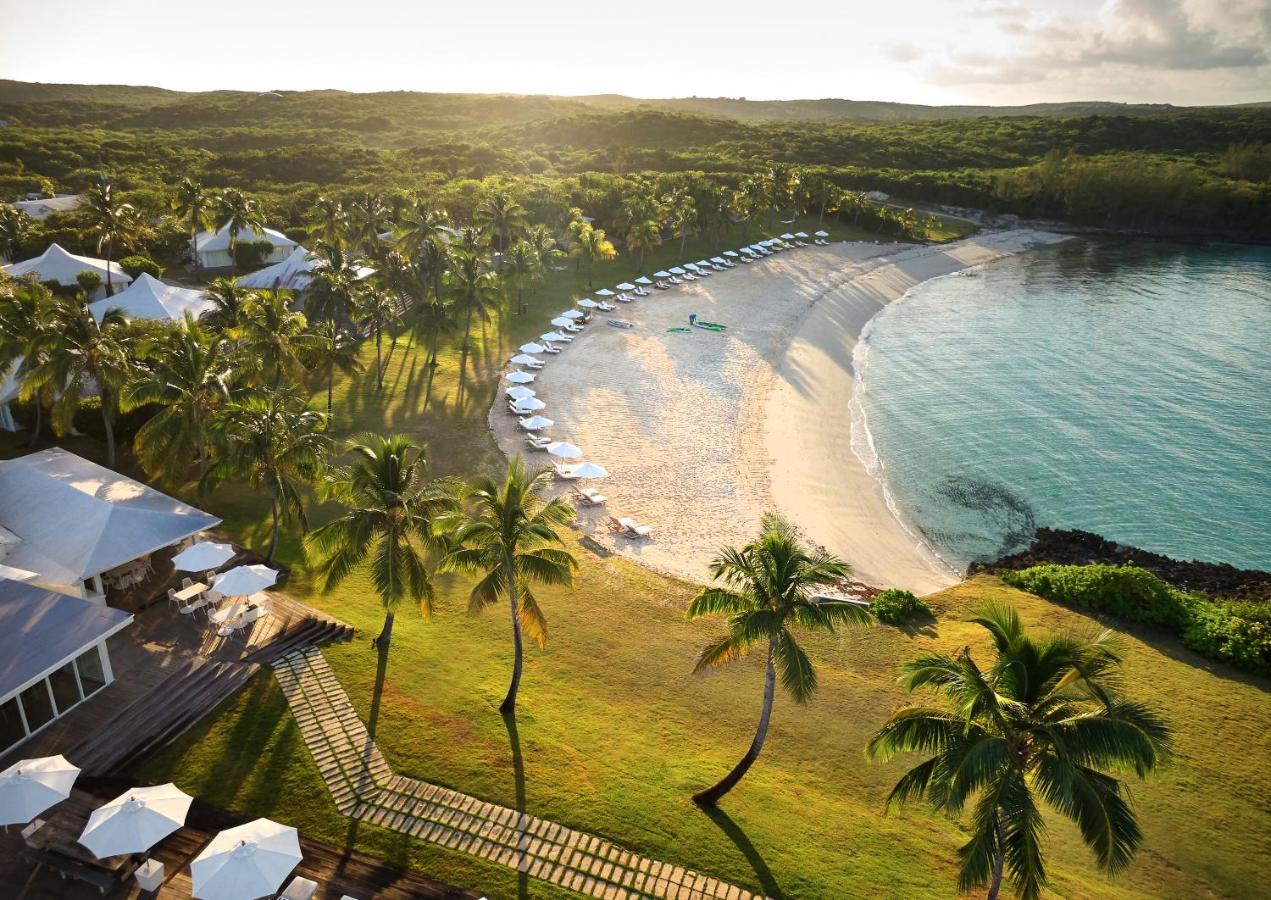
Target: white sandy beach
(703, 432)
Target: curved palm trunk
(39, 423)
(379, 356)
(386, 633)
(110, 255)
(509, 702)
(273, 532)
(110, 430)
(330, 388)
(995, 884)
(711, 796)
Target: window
(65, 690)
(37, 705)
(91, 676)
(11, 730)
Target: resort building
(61, 267)
(213, 246)
(40, 208)
(290, 274)
(150, 298)
(69, 529)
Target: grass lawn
(615, 732)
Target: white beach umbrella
(749, 251)
(519, 377)
(243, 581)
(564, 450)
(562, 322)
(787, 236)
(557, 336)
(643, 279)
(244, 862)
(800, 234)
(822, 234)
(525, 359)
(520, 392)
(603, 292)
(677, 271)
(717, 260)
(588, 303)
(203, 556)
(661, 274)
(590, 470)
(704, 263)
(626, 286)
(573, 314)
(730, 252)
(136, 820)
(528, 404)
(536, 423)
(530, 348)
(694, 266)
(550, 337)
(30, 786)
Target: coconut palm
(681, 213)
(769, 587)
(73, 355)
(822, 193)
(194, 203)
(432, 317)
(507, 535)
(591, 244)
(502, 216)
(15, 230)
(331, 220)
(368, 219)
(390, 508)
(272, 340)
(335, 285)
(378, 308)
(227, 302)
(237, 212)
(473, 286)
(334, 349)
(116, 225)
(25, 315)
(522, 265)
(643, 237)
(186, 372)
(540, 237)
(272, 442)
(422, 224)
(1044, 721)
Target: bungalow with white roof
(290, 274)
(150, 298)
(64, 523)
(213, 246)
(40, 208)
(59, 266)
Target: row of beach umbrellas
(239, 863)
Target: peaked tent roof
(208, 241)
(291, 274)
(150, 298)
(55, 264)
(77, 519)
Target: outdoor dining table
(186, 594)
(56, 844)
(230, 612)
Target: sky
(917, 51)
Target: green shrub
(1125, 591)
(1236, 633)
(135, 265)
(88, 282)
(895, 607)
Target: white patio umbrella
(562, 322)
(524, 359)
(573, 314)
(717, 260)
(643, 279)
(694, 266)
(29, 787)
(136, 820)
(588, 303)
(244, 862)
(530, 348)
(519, 377)
(822, 234)
(749, 251)
(519, 392)
(730, 252)
(564, 450)
(626, 286)
(661, 274)
(243, 581)
(590, 470)
(536, 423)
(677, 271)
(528, 404)
(704, 263)
(556, 336)
(800, 234)
(603, 292)
(787, 236)
(203, 556)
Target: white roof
(206, 241)
(9, 384)
(291, 274)
(77, 519)
(41, 209)
(150, 298)
(55, 264)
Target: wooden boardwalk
(365, 788)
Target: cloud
(903, 52)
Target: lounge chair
(534, 365)
(689, 276)
(537, 441)
(564, 472)
(621, 323)
(548, 348)
(661, 285)
(588, 497)
(573, 329)
(623, 298)
(674, 280)
(801, 243)
(299, 889)
(633, 529)
(641, 292)
(746, 259)
(606, 307)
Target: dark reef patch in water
(1008, 519)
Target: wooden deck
(338, 873)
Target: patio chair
(633, 529)
(661, 285)
(247, 618)
(589, 497)
(623, 298)
(674, 280)
(537, 442)
(187, 582)
(172, 597)
(564, 472)
(641, 292)
(607, 307)
(299, 889)
(548, 348)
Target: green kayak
(711, 326)
(681, 330)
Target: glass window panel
(37, 705)
(11, 730)
(65, 690)
(91, 676)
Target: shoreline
(702, 433)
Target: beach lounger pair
(533, 365)
(629, 527)
(821, 242)
(548, 348)
(661, 285)
(641, 292)
(537, 441)
(623, 298)
(588, 497)
(606, 307)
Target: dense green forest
(1202, 170)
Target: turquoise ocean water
(1119, 387)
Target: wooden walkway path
(365, 788)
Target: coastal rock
(1074, 547)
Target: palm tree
(378, 308)
(421, 225)
(592, 245)
(822, 193)
(389, 519)
(643, 237)
(334, 349)
(227, 303)
(1046, 719)
(368, 218)
(681, 212)
(237, 212)
(501, 215)
(507, 537)
(272, 340)
(431, 318)
(15, 229)
(271, 441)
(540, 237)
(474, 286)
(335, 287)
(193, 203)
(25, 316)
(116, 224)
(331, 220)
(186, 372)
(73, 354)
(521, 262)
(770, 587)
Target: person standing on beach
(692, 319)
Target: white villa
(66, 525)
(60, 266)
(290, 274)
(150, 298)
(40, 208)
(213, 246)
